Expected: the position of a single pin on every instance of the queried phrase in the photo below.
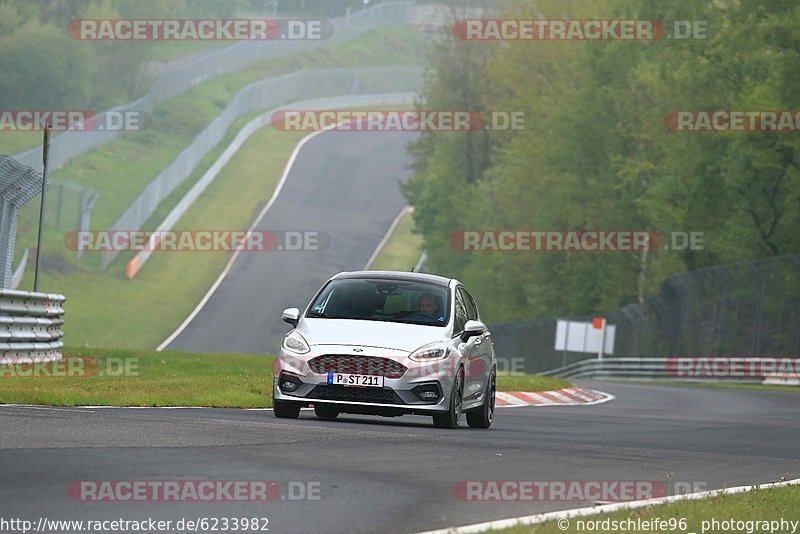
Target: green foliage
(41, 70)
(42, 67)
(596, 154)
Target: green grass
(124, 377)
(15, 142)
(512, 381)
(403, 248)
(106, 309)
(381, 46)
(170, 285)
(131, 377)
(768, 504)
(121, 169)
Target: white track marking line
(593, 510)
(255, 223)
(235, 255)
(50, 408)
(606, 397)
(386, 237)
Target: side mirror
(291, 316)
(472, 329)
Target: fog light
(289, 383)
(428, 392)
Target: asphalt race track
(393, 475)
(372, 474)
(344, 184)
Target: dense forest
(596, 153)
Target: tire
(326, 411)
(450, 419)
(482, 418)
(286, 409)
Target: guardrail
(264, 94)
(749, 308)
(751, 370)
(30, 326)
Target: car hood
(378, 334)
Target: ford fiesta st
(388, 343)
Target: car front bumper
(398, 395)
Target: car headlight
(294, 342)
(432, 352)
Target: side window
(461, 314)
(472, 311)
(474, 306)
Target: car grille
(342, 393)
(358, 365)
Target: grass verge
(758, 505)
(512, 381)
(170, 285)
(131, 377)
(108, 310)
(125, 377)
(403, 248)
(120, 169)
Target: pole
(45, 149)
(602, 339)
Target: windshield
(383, 300)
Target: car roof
(395, 275)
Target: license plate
(356, 381)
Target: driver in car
(428, 304)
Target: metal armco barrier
(72, 144)
(261, 95)
(745, 310)
(30, 326)
(713, 369)
(343, 102)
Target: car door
(487, 346)
(475, 364)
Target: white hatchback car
(388, 343)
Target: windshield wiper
(319, 314)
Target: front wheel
(286, 409)
(450, 419)
(482, 418)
